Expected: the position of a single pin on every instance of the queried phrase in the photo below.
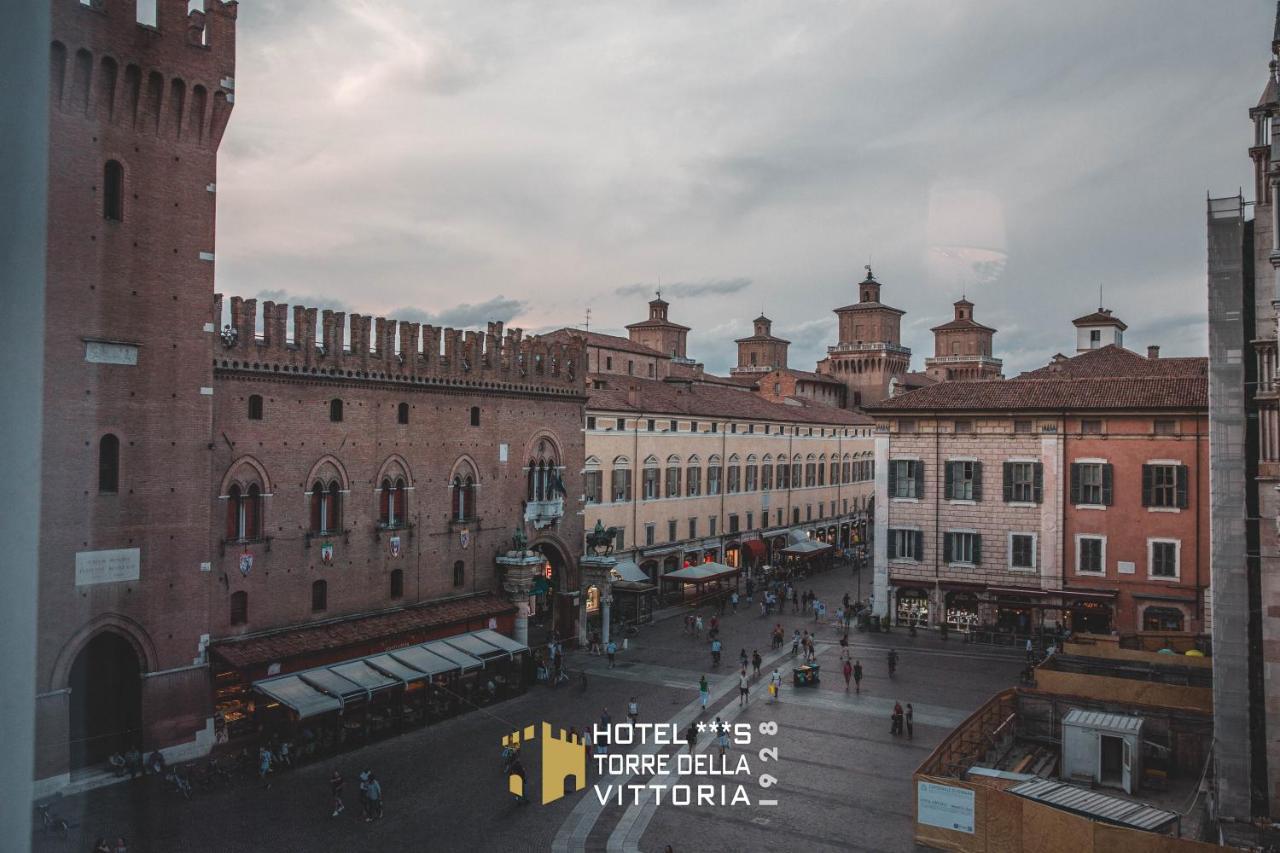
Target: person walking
(264, 766)
(722, 733)
(733, 599)
(633, 711)
(364, 793)
(907, 717)
(375, 799)
(691, 736)
(895, 727)
(857, 677)
(611, 651)
(848, 673)
(756, 660)
(697, 626)
(704, 691)
(715, 652)
(744, 684)
(795, 642)
(775, 684)
(335, 788)
(742, 658)
(1031, 654)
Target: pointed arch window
(326, 506)
(463, 489)
(393, 500)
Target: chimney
(1153, 351)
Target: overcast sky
(460, 161)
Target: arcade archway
(557, 609)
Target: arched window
(239, 607)
(766, 473)
(335, 410)
(463, 488)
(108, 464)
(319, 596)
(620, 479)
(393, 502)
(459, 573)
(544, 479)
(397, 583)
(402, 414)
(733, 476)
(475, 416)
(244, 512)
(713, 475)
(693, 477)
(673, 476)
(255, 407)
(751, 475)
(113, 191)
(326, 506)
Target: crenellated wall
(392, 350)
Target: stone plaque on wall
(105, 352)
(94, 567)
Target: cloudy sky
(525, 161)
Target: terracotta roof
(329, 637)
(916, 379)
(809, 376)
(761, 339)
(961, 324)
(703, 400)
(1103, 317)
(599, 339)
(1113, 360)
(1125, 392)
(866, 306)
(656, 324)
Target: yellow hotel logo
(563, 759)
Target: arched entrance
(106, 700)
(557, 610)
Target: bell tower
(660, 333)
(761, 352)
(869, 352)
(137, 111)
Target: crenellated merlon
(356, 346)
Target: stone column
(597, 571)
(518, 570)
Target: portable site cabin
(1102, 748)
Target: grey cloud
(709, 287)
(280, 295)
(498, 309)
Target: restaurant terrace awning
(628, 571)
(701, 573)
(809, 546)
(328, 688)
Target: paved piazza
(843, 782)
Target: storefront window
(593, 599)
(962, 611)
(1162, 619)
(913, 607)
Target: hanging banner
(246, 563)
(395, 546)
(465, 536)
(326, 553)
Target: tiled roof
(1112, 360)
(761, 339)
(866, 306)
(702, 400)
(598, 339)
(1126, 393)
(961, 324)
(917, 379)
(1099, 318)
(328, 637)
(809, 376)
(656, 324)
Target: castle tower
(761, 352)
(869, 353)
(1097, 330)
(136, 115)
(660, 333)
(962, 348)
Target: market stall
(700, 581)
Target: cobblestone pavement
(843, 781)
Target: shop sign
(945, 806)
(113, 566)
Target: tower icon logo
(564, 762)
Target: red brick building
(1076, 494)
(269, 497)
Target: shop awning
(294, 693)
(1101, 595)
(1013, 590)
(795, 537)
(700, 573)
(425, 661)
(1184, 599)
(394, 668)
(476, 647)
(502, 641)
(461, 660)
(363, 675)
(755, 549)
(809, 546)
(629, 571)
(326, 680)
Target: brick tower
(761, 352)
(136, 115)
(962, 348)
(660, 333)
(869, 353)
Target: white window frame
(893, 531)
(1035, 551)
(1171, 463)
(1025, 460)
(1102, 561)
(973, 460)
(894, 461)
(1090, 506)
(1151, 559)
(961, 531)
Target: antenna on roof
(587, 324)
(1100, 296)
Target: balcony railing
(544, 513)
(964, 359)
(869, 346)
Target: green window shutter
(1182, 486)
(893, 544)
(1008, 482)
(1075, 482)
(977, 548)
(893, 479)
(1038, 469)
(919, 479)
(1148, 478)
(946, 547)
(919, 554)
(1107, 481)
(949, 479)
(977, 481)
